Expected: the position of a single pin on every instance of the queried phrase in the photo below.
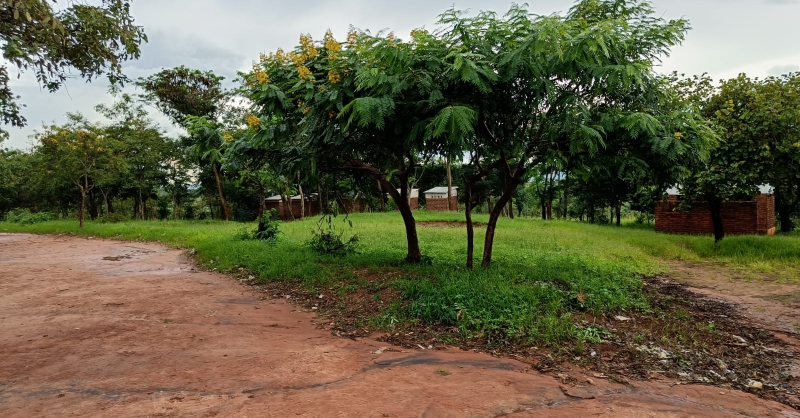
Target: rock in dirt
(755, 385)
(578, 393)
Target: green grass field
(542, 274)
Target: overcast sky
(758, 37)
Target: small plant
(326, 240)
(267, 230)
(26, 217)
(593, 334)
(443, 372)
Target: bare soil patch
(150, 335)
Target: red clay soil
(96, 328)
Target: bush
(267, 230)
(26, 217)
(327, 241)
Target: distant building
(311, 207)
(749, 217)
(413, 198)
(436, 199)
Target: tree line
(562, 111)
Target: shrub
(328, 241)
(267, 230)
(26, 217)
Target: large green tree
(90, 40)
(537, 83)
(196, 101)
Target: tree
(533, 82)
(77, 153)
(92, 40)
(758, 126)
(362, 107)
(144, 151)
(196, 101)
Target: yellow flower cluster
(331, 114)
(678, 135)
(307, 47)
(332, 45)
(262, 77)
(302, 106)
(253, 121)
(334, 77)
(390, 37)
(304, 73)
(352, 37)
(228, 137)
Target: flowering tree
(333, 104)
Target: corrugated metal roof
(439, 190)
(277, 197)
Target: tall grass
(542, 273)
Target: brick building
(311, 207)
(436, 199)
(413, 199)
(751, 217)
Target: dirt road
(96, 328)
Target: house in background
(744, 217)
(436, 199)
(413, 198)
(310, 208)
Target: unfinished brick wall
(440, 205)
(738, 218)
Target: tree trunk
(511, 208)
(141, 205)
(619, 210)
(81, 215)
(715, 204)
(383, 196)
(489, 204)
(449, 186)
(262, 202)
(544, 210)
(414, 254)
(470, 227)
(222, 201)
(566, 196)
(105, 200)
(302, 197)
(319, 197)
(491, 226)
(550, 210)
(82, 209)
(288, 210)
(93, 205)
